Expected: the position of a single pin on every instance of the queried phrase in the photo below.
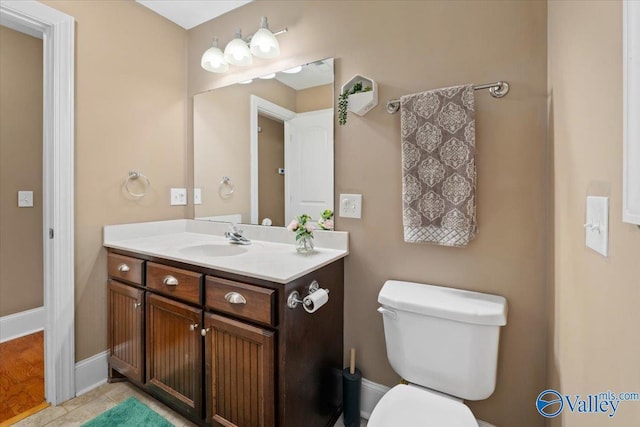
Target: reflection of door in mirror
(309, 163)
(296, 108)
(270, 166)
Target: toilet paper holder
(294, 297)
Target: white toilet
(444, 342)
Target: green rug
(130, 413)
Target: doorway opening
(57, 32)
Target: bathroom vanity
(205, 326)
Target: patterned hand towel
(439, 166)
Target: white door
(308, 159)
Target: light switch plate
(178, 196)
(351, 205)
(197, 196)
(597, 224)
(25, 199)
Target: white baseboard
(20, 324)
(370, 394)
(91, 372)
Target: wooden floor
(21, 375)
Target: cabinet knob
(170, 281)
(235, 298)
(136, 304)
(203, 332)
(193, 326)
(123, 268)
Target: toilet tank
(442, 338)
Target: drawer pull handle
(123, 268)
(136, 304)
(235, 298)
(203, 332)
(170, 281)
(193, 326)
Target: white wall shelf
(362, 102)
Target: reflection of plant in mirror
(326, 222)
(343, 100)
(301, 226)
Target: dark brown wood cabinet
(174, 353)
(126, 330)
(240, 367)
(223, 349)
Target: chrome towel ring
(225, 190)
(133, 175)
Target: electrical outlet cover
(597, 224)
(25, 199)
(178, 196)
(351, 205)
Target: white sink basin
(213, 250)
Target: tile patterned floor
(83, 408)
(21, 375)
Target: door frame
(274, 111)
(57, 32)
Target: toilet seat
(411, 406)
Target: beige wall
(130, 115)
(314, 98)
(21, 277)
(593, 338)
(427, 45)
(270, 158)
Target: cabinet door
(240, 373)
(126, 316)
(174, 353)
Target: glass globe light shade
(293, 70)
(213, 59)
(237, 52)
(263, 43)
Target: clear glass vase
(304, 245)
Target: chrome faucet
(235, 236)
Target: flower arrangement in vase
(326, 220)
(303, 228)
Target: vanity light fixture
(237, 52)
(240, 52)
(245, 82)
(268, 76)
(213, 59)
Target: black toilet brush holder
(351, 385)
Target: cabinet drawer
(174, 282)
(125, 268)
(242, 300)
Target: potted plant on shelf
(343, 99)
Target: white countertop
(270, 256)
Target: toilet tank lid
(447, 303)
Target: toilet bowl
(411, 406)
(444, 342)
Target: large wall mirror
(263, 148)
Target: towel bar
(497, 90)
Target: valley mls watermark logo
(550, 403)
